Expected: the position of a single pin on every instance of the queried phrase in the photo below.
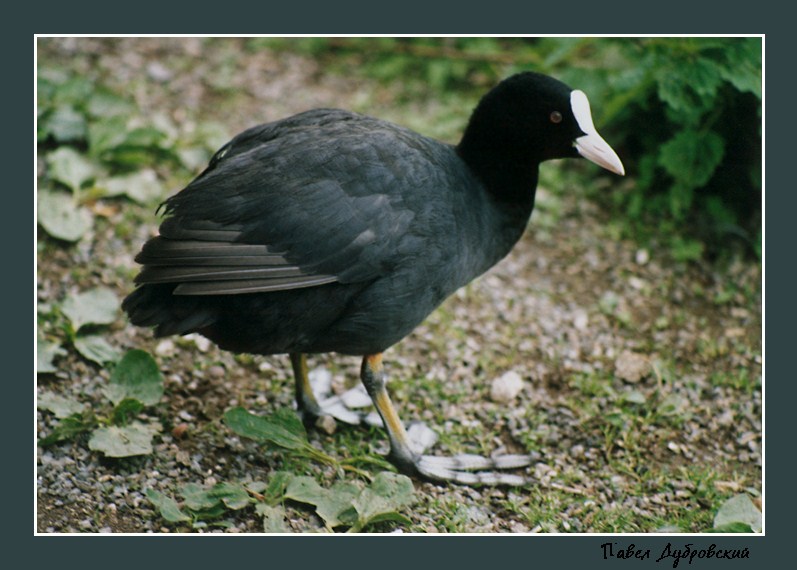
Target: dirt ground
(641, 376)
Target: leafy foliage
(94, 146)
(738, 514)
(344, 504)
(81, 315)
(135, 384)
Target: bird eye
(556, 117)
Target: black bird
(331, 231)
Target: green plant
(135, 384)
(685, 114)
(95, 145)
(345, 504)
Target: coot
(331, 231)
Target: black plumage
(331, 231)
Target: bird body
(373, 227)
(331, 231)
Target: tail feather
(156, 306)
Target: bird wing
(314, 199)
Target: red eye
(556, 117)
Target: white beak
(591, 146)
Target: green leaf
(688, 86)
(332, 505)
(743, 69)
(692, 157)
(105, 104)
(74, 90)
(125, 411)
(685, 249)
(61, 217)
(98, 306)
(104, 136)
(69, 428)
(198, 498)
(46, 352)
(68, 166)
(233, 495)
(283, 428)
(59, 405)
(65, 125)
(136, 376)
(96, 348)
(732, 527)
(388, 493)
(167, 506)
(634, 397)
(739, 510)
(277, 484)
(142, 186)
(126, 441)
(273, 518)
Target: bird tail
(155, 305)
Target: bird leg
(464, 468)
(305, 399)
(311, 408)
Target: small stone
(421, 436)
(642, 256)
(165, 347)
(506, 387)
(201, 342)
(159, 72)
(217, 372)
(581, 320)
(631, 367)
(321, 380)
(327, 424)
(179, 431)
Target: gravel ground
(549, 352)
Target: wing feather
(271, 214)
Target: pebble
(506, 387)
(159, 72)
(165, 347)
(631, 367)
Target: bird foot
(467, 469)
(348, 407)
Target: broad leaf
(46, 352)
(692, 156)
(198, 498)
(142, 186)
(60, 406)
(97, 306)
(125, 411)
(61, 217)
(96, 349)
(233, 495)
(136, 376)
(739, 509)
(115, 441)
(167, 506)
(273, 518)
(332, 505)
(106, 104)
(69, 428)
(65, 124)
(283, 428)
(69, 167)
(381, 500)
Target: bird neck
(509, 176)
